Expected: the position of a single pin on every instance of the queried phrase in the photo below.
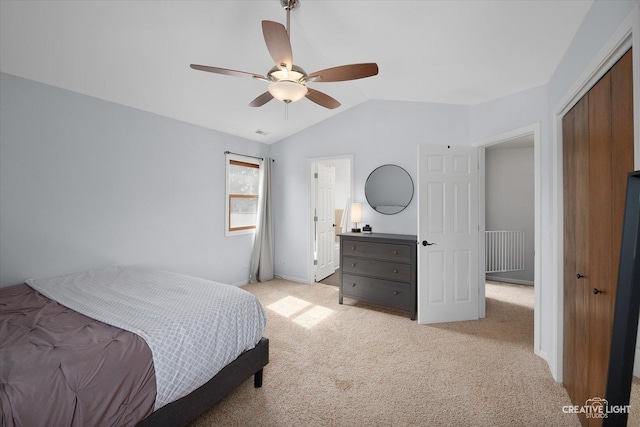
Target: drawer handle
(353, 248)
(395, 252)
(353, 264)
(396, 292)
(395, 270)
(353, 285)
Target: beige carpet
(333, 280)
(354, 365)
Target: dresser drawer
(384, 251)
(392, 294)
(382, 269)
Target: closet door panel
(600, 243)
(582, 293)
(576, 254)
(622, 147)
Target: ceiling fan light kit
(287, 85)
(288, 82)
(287, 91)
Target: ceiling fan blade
(277, 40)
(261, 100)
(322, 99)
(345, 72)
(226, 71)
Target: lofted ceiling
(137, 53)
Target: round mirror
(389, 189)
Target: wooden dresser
(379, 268)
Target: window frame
(238, 160)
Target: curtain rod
(245, 155)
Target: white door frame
(626, 36)
(312, 203)
(533, 129)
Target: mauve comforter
(61, 368)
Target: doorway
(509, 211)
(524, 136)
(328, 212)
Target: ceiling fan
(287, 81)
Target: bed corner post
(257, 379)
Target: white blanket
(194, 327)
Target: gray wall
(537, 106)
(86, 183)
(376, 133)
(379, 132)
(509, 202)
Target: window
(243, 179)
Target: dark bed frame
(627, 309)
(188, 408)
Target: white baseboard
(508, 280)
(544, 356)
(636, 363)
(292, 279)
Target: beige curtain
(262, 259)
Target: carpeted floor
(333, 280)
(354, 365)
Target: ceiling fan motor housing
(289, 4)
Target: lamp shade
(287, 91)
(356, 212)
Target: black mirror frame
(413, 188)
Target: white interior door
(325, 220)
(448, 234)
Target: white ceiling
(137, 53)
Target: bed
(125, 346)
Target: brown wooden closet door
(598, 154)
(600, 268)
(576, 254)
(622, 148)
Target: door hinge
(315, 219)
(315, 174)
(315, 262)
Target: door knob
(596, 291)
(579, 276)
(425, 243)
